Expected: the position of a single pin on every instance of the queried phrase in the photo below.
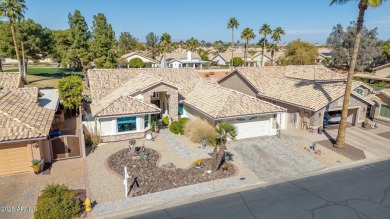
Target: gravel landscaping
(349, 151)
(152, 178)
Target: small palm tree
(13, 10)
(276, 37)
(265, 30)
(225, 131)
(233, 23)
(247, 34)
(192, 44)
(273, 47)
(363, 5)
(215, 142)
(165, 45)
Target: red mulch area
(153, 179)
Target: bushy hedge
(177, 127)
(165, 120)
(58, 202)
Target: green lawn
(45, 77)
(47, 71)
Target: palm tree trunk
(262, 53)
(1, 66)
(11, 21)
(214, 157)
(272, 56)
(231, 60)
(340, 141)
(24, 60)
(221, 153)
(246, 47)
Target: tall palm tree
(165, 45)
(247, 34)
(192, 44)
(363, 5)
(273, 47)
(225, 131)
(22, 36)
(233, 23)
(276, 36)
(13, 10)
(265, 30)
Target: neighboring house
(383, 70)
(307, 92)
(381, 109)
(267, 58)
(125, 100)
(11, 61)
(149, 62)
(323, 54)
(181, 60)
(254, 61)
(24, 129)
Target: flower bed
(152, 178)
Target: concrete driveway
(272, 157)
(374, 146)
(22, 190)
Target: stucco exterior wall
(236, 82)
(353, 103)
(192, 113)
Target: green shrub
(238, 61)
(176, 127)
(184, 120)
(57, 201)
(165, 120)
(136, 63)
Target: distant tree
(126, 43)
(61, 45)
(276, 37)
(265, 30)
(218, 45)
(237, 61)
(341, 42)
(103, 40)
(300, 53)
(233, 24)
(272, 47)
(247, 34)
(152, 44)
(136, 63)
(14, 11)
(70, 90)
(180, 44)
(203, 54)
(386, 49)
(165, 44)
(192, 44)
(202, 43)
(7, 48)
(78, 55)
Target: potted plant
(36, 165)
(198, 164)
(225, 167)
(320, 129)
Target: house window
(385, 111)
(180, 109)
(146, 121)
(156, 95)
(127, 124)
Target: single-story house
(267, 58)
(24, 129)
(225, 58)
(181, 60)
(125, 100)
(381, 109)
(309, 93)
(149, 62)
(383, 70)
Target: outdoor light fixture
(35, 145)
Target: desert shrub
(176, 127)
(198, 129)
(165, 120)
(184, 120)
(57, 201)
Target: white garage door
(252, 127)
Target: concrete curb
(259, 184)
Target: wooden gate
(292, 120)
(64, 147)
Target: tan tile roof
(298, 85)
(180, 55)
(385, 92)
(126, 105)
(11, 80)
(219, 102)
(227, 56)
(111, 103)
(21, 117)
(143, 54)
(104, 81)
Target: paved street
(360, 192)
(373, 145)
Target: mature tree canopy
(70, 90)
(136, 63)
(165, 43)
(152, 44)
(7, 48)
(203, 54)
(78, 55)
(386, 49)
(127, 43)
(62, 44)
(237, 61)
(300, 53)
(103, 39)
(341, 42)
(192, 44)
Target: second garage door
(14, 158)
(252, 127)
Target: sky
(308, 20)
